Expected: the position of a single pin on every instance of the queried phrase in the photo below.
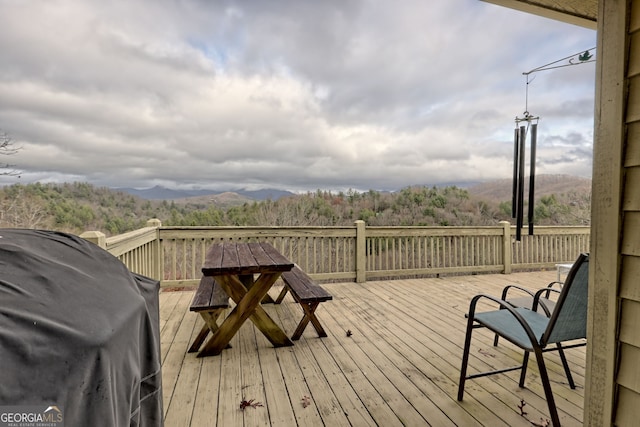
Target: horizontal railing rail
(175, 255)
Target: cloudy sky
(287, 94)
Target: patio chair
(533, 331)
(545, 303)
(545, 306)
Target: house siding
(613, 109)
(627, 393)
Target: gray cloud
(287, 94)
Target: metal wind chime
(528, 125)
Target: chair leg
(523, 371)
(496, 337)
(465, 358)
(546, 385)
(565, 365)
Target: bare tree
(22, 211)
(7, 148)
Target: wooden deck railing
(175, 255)
(139, 250)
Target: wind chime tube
(516, 156)
(520, 216)
(532, 176)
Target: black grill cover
(77, 330)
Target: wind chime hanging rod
(520, 137)
(582, 57)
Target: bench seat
(210, 301)
(308, 294)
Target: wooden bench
(308, 294)
(210, 301)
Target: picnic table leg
(210, 325)
(282, 294)
(309, 315)
(247, 306)
(247, 281)
(195, 346)
(259, 317)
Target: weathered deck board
(412, 355)
(400, 366)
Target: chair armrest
(553, 285)
(506, 289)
(503, 305)
(538, 295)
(546, 291)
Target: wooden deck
(400, 365)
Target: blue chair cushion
(505, 324)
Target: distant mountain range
(162, 193)
(498, 190)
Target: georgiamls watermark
(31, 416)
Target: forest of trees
(78, 207)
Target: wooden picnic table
(246, 272)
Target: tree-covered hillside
(78, 207)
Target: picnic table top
(244, 258)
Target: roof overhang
(578, 12)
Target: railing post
(506, 246)
(95, 237)
(157, 250)
(361, 249)
(154, 222)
